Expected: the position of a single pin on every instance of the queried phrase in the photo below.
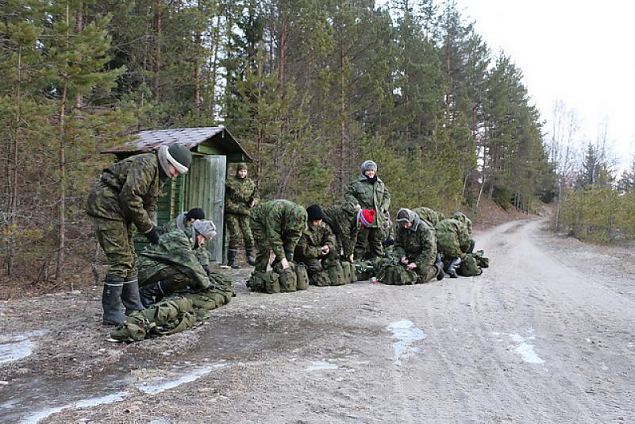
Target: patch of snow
(321, 365)
(15, 350)
(83, 403)
(406, 333)
(165, 384)
(526, 350)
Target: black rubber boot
(111, 301)
(251, 256)
(151, 294)
(231, 258)
(130, 295)
(439, 266)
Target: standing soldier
(369, 192)
(240, 196)
(416, 246)
(345, 222)
(277, 225)
(126, 194)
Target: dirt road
(545, 335)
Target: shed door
(206, 189)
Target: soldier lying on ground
(277, 225)
(127, 194)
(416, 246)
(173, 265)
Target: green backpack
(397, 275)
(336, 273)
(320, 279)
(302, 276)
(288, 280)
(349, 272)
(481, 260)
(264, 282)
(469, 266)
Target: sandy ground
(545, 335)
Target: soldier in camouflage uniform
(316, 247)
(172, 265)
(430, 215)
(127, 194)
(240, 196)
(460, 216)
(184, 222)
(345, 222)
(369, 192)
(416, 246)
(453, 241)
(277, 225)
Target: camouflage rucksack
(264, 282)
(481, 260)
(288, 280)
(396, 274)
(302, 276)
(336, 273)
(349, 272)
(469, 266)
(320, 279)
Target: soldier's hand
(325, 250)
(404, 260)
(350, 258)
(284, 263)
(153, 235)
(411, 266)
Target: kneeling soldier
(416, 246)
(172, 265)
(317, 244)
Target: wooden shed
(213, 148)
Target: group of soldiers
(356, 229)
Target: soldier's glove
(153, 236)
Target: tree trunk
(157, 50)
(13, 178)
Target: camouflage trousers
(176, 277)
(263, 247)
(238, 227)
(116, 240)
(315, 265)
(369, 243)
(425, 275)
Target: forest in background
(309, 88)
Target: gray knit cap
(205, 227)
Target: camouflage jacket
(282, 223)
(239, 193)
(128, 191)
(430, 215)
(343, 223)
(453, 238)
(202, 254)
(370, 196)
(460, 216)
(312, 240)
(174, 249)
(419, 246)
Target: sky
(579, 52)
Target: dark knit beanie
(195, 213)
(314, 212)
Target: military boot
(111, 301)
(439, 266)
(251, 257)
(151, 294)
(452, 266)
(231, 258)
(130, 295)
